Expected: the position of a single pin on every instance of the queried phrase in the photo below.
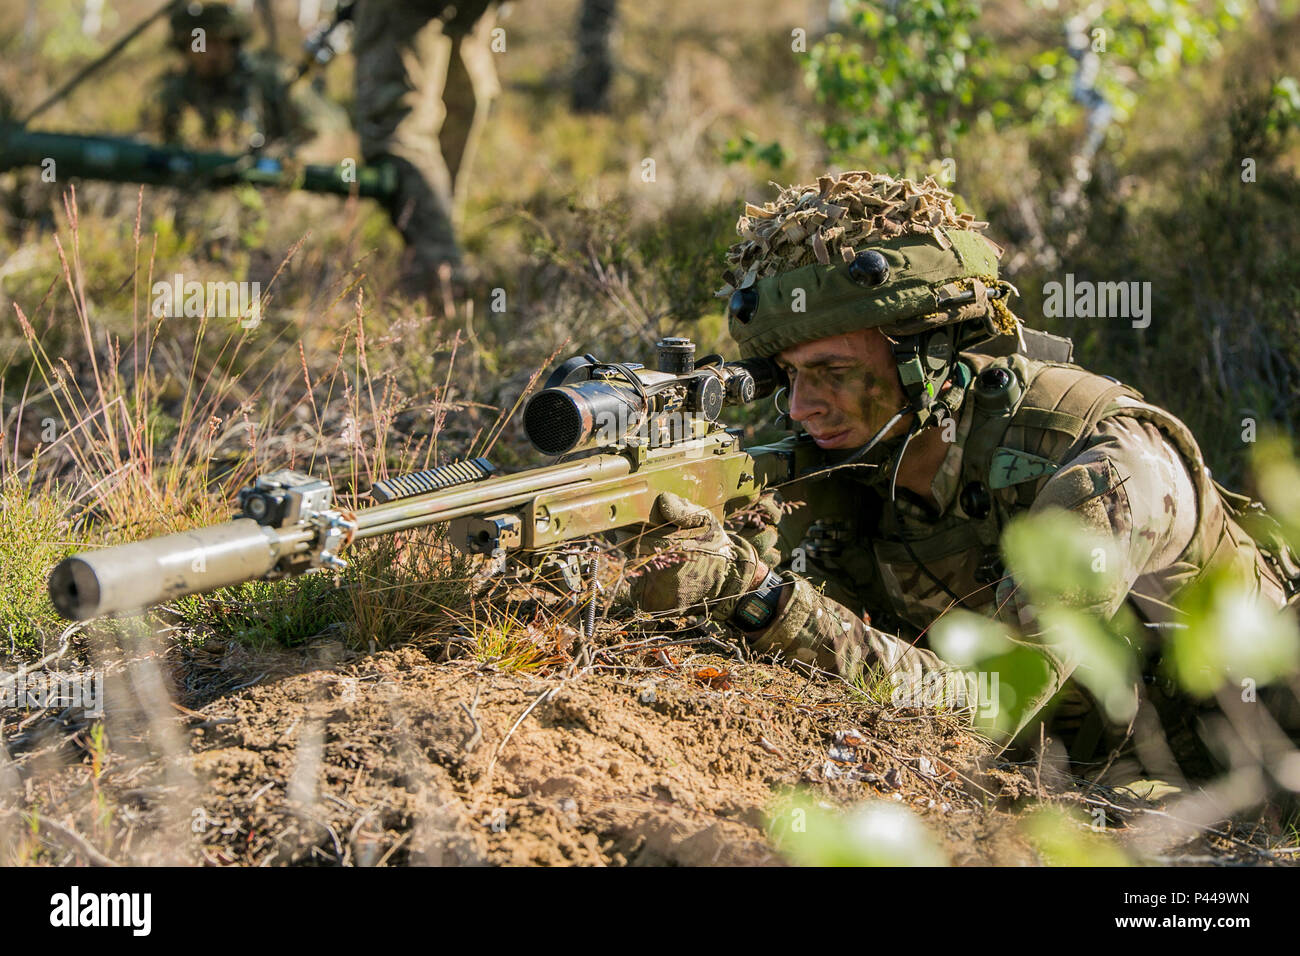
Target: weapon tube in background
(118, 159)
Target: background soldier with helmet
(241, 97)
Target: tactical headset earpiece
(924, 363)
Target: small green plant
(404, 585)
(32, 539)
(98, 761)
(269, 613)
(1063, 838)
(873, 833)
(1231, 636)
(508, 640)
(875, 685)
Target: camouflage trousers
(594, 68)
(422, 97)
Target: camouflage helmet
(219, 20)
(859, 251)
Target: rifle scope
(587, 403)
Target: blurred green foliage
(1070, 574)
(1278, 478)
(905, 81)
(975, 643)
(1230, 637)
(1064, 838)
(1226, 633)
(901, 84)
(874, 833)
(747, 148)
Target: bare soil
(214, 754)
(222, 756)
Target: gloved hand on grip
(686, 560)
(757, 524)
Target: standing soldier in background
(424, 82)
(241, 97)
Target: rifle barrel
(126, 578)
(572, 499)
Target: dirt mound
(396, 758)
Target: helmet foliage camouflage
(860, 251)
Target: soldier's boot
(422, 214)
(440, 282)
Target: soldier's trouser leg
(594, 69)
(471, 86)
(814, 629)
(402, 58)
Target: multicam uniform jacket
(1030, 435)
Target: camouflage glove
(757, 524)
(685, 560)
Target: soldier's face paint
(843, 388)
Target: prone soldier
(878, 302)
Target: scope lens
(552, 422)
(563, 419)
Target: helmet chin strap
(893, 510)
(926, 363)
